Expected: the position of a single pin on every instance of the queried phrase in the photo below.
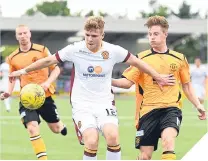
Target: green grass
(15, 142)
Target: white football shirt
(91, 81)
(198, 75)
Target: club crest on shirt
(105, 55)
(173, 67)
(34, 59)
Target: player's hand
(4, 95)
(202, 111)
(15, 74)
(166, 80)
(45, 85)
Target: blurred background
(56, 24)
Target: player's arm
(190, 94)
(41, 63)
(144, 67)
(53, 75)
(188, 89)
(11, 84)
(8, 93)
(130, 76)
(122, 83)
(54, 69)
(65, 54)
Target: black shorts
(153, 123)
(48, 112)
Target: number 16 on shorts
(111, 112)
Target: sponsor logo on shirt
(94, 72)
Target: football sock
(64, 131)
(113, 153)
(168, 155)
(90, 154)
(39, 147)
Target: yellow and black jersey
(19, 60)
(170, 62)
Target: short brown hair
(157, 20)
(94, 22)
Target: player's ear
(30, 34)
(103, 35)
(166, 33)
(16, 36)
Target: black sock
(64, 131)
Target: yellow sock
(168, 155)
(39, 147)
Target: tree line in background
(193, 45)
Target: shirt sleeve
(184, 72)
(47, 53)
(121, 54)
(66, 54)
(11, 67)
(132, 73)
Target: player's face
(157, 36)
(23, 35)
(197, 62)
(93, 39)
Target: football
(32, 96)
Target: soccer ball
(32, 96)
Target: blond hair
(94, 22)
(21, 25)
(157, 21)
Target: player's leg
(50, 114)
(86, 129)
(108, 123)
(7, 104)
(170, 125)
(111, 134)
(31, 121)
(148, 134)
(168, 137)
(146, 152)
(90, 139)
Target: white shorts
(199, 91)
(87, 115)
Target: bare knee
(111, 134)
(90, 137)
(33, 128)
(146, 152)
(168, 139)
(145, 156)
(112, 139)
